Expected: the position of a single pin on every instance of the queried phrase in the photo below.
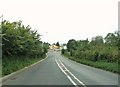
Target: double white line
(61, 66)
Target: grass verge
(10, 65)
(108, 66)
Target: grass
(0, 70)
(15, 63)
(0, 67)
(108, 66)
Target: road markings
(73, 75)
(66, 74)
(66, 70)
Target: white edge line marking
(73, 75)
(66, 74)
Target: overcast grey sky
(64, 19)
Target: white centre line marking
(68, 75)
(73, 75)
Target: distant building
(53, 47)
(64, 47)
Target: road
(58, 70)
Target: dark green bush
(63, 51)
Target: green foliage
(57, 44)
(111, 39)
(11, 64)
(98, 49)
(63, 51)
(98, 40)
(46, 47)
(95, 50)
(113, 67)
(19, 40)
(71, 45)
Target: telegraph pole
(42, 42)
(1, 18)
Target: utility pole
(1, 17)
(1, 30)
(42, 42)
(1, 22)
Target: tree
(62, 51)
(20, 40)
(98, 40)
(71, 45)
(82, 44)
(111, 39)
(57, 44)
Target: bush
(63, 51)
(20, 46)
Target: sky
(62, 20)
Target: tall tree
(111, 39)
(57, 44)
(71, 45)
(98, 40)
(20, 40)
